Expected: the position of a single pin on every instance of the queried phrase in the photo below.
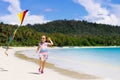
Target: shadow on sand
(3, 70)
(35, 73)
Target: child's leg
(42, 62)
(43, 65)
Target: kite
(21, 17)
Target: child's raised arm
(50, 43)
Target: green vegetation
(63, 33)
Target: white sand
(12, 68)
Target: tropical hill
(63, 33)
(76, 27)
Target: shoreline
(63, 47)
(88, 47)
(51, 66)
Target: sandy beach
(14, 68)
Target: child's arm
(50, 43)
(38, 48)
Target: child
(43, 51)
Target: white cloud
(48, 10)
(14, 9)
(14, 6)
(97, 13)
(32, 19)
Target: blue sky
(57, 9)
(42, 11)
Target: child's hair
(47, 39)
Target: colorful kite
(21, 17)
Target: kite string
(12, 37)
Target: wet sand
(65, 72)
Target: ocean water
(102, 62)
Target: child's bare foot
(42, 72)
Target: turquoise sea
(103, 62)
